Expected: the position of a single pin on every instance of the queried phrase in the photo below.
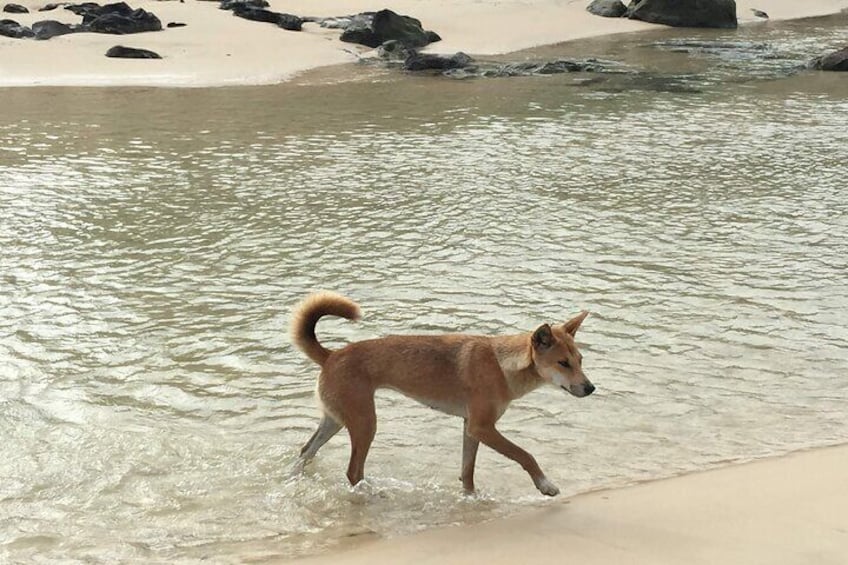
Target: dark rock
(83, 9)
(386, 25)
(120, 19)
(45, 29)
(836, 61)
(686, 13)
(427, 61)
(361, 36)
(285, 21)
(289, 22)
(389, 25)
(432, 36)
(175, 24)
(607, 8)
(119, 51)
(11, 28)
(49, 7)
(15, 9)
(232, 4)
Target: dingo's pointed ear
(543, 337)
(573, 324)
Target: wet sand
(786, 510)
(218, 49)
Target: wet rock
(395, 51)
(529, 68)
(428, 61)
(49, 7)
(686, 13)
(386, 25)
(11, 28)
(607, 8)
(45, 29)
(285, 21)
(119, 51)
(120, 19)
(836, 61)
(15, 9)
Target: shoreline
(218, 49)
(783, 509)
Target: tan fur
(474, 377)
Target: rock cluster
(680, 13)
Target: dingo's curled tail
(307, 314)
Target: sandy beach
(217, 49)
(786, 510)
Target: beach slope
(217, 49)
(789, 510)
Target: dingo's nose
(588, 389)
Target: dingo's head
(557, 359)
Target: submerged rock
(836, 61)
(607, 8)
(121, 52)
(686, 13)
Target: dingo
(474, 377)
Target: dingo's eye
(565, 364)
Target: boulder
(607, 8)
(45, 29)
(386, 25)
(11, 28)
(120, 19)
(836, 61)
(121, 52)
(15, 9)
(686, 13)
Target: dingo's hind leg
(361, 425)
(469, 456)
(327, 428)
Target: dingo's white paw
(546, 487)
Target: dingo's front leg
(490, 436)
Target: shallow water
(154, 241)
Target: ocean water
(154, 241)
